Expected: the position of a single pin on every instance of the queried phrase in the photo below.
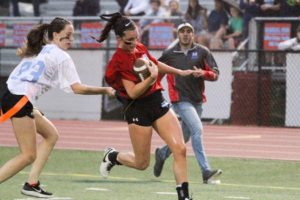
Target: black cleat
(159, 164)
(35, 191)
(209, 176)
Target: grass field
(74, 175)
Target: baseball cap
(185, 24)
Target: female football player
(45, 64)
(144, 105)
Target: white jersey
(52, 67)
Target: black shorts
(9, 100)
(146, 110)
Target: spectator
(289, 8)
(251, 9)
(269, 8)
(291, 44)
(4, 8)
(145, 24)
(136, 7)
(174, 11)
(35, 3)
(122, 5)
(196, 15)
(233, 32)
(86, 8)
(165, 4)
(217, 21)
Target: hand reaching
(110, 92)
(198, 72)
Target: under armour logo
(164, 104)
(135, 119)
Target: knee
(29, 158)
(142, 165)
(55, 137)
(179, 150)
(52, 139)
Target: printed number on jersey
(30, 71)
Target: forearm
(166, 69)
(136, 90)
(235, 34)
(139, 8)
(88, 89)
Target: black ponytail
(117, 22)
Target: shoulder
(117, 57)
(199, 47)
(141, 47)
(169, 51)
(55, 52)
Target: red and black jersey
(121, 67)
(189, 88)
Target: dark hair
(36, 38)
(118, 23)
(194, 13)
(156, 1)
(57, 25)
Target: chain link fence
(264, 83)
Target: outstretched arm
(166, 69)
(79, 88)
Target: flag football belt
(18, 106)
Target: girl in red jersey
(144, 105)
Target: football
(140, 68)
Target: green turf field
(74, 175)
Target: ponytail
(117, 22)
(36, 39)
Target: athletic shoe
(209, 176)
(35, 191)
(159, 164)
(106, 164)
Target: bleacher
(62, 8)
(65, 7)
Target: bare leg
(141, 141)
(231, 43)
(50, 135)
(25, 132)
(168, 127)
